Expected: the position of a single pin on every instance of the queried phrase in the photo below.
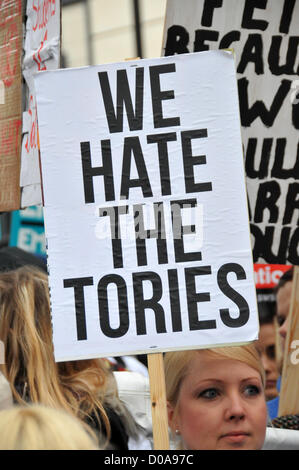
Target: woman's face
(221, 405)
(266, 348)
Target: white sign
(145, 206)
(265, 37)
(42, 52)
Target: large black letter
(267, 197)
(233, 295)
(115, 119)
(179, 230)
(153, 303)
(161, 140)
(252, 52)
(201, 35)
(247, 21)
(132, 146)
(264, 241)
(258, 109)
(158, 96)
(191, 160)
(78, 284)
(89, 172)
(193, 298)
(114, 213)
(174, 297)
(208, 11)
(229, 38)
(262, 172)
(277, 170)
(122, 306)
(158, 233)
(177, 40)
(275, 53)
(286, 16)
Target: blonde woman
(79, 387)
(216, 398)
(36, 427)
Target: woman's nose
(267, 363)
(235, 407)
(283, 328)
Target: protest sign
(264, 36)
(10, 103)
(145, 206)
(27, 231)
(42, 52)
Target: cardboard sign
(145, 206)
(264, 36)
(10, 103)
(42, 52)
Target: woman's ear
(171, 417)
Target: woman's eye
(210, 393)
(280, 320)
(270, 351)
(252, 390)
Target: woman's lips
(235, 436)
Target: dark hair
(266, 311)
(286, 277)
(12, 257)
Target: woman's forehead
(205, 364)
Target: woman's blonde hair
(26, 331)
(36, 427)
(176, 365)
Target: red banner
(267, 275)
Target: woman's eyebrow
(215, 380)
(251, 378)
(211, 379)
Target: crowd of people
(220, 398)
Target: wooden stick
(289, 392)
(158, 399)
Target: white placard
(171, 149)
(42, 52)
(264, 35)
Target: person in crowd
(83, 388)
(283, 292)
(283, 301)
(37, 427)
(266, 346)
(216, 398)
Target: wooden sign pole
(289, 392)
(10, 104)
(158, 401)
